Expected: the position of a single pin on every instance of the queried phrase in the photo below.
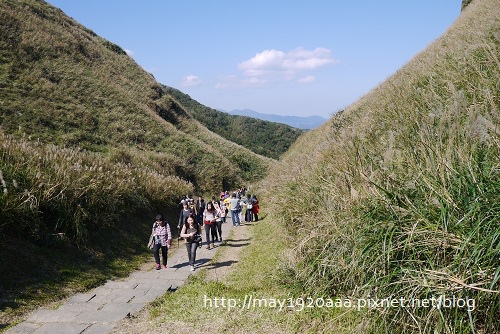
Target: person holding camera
(191, 232)
(162, 240)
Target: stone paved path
(99, 311)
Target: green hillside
(269, 139)
(403, 200)
(395, 198)
(383, 220)
(91, 147)
(62, 84)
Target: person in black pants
(162, 240)
(188, 232)
(218, 221)
(200, 207)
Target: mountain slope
(62, 84)
(397, 196)
(91, 149)
(262, 137)
(305, 123)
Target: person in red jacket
(255, 207)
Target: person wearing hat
(162, 237)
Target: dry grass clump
(398, 196)
(71, 219)
(48, 189)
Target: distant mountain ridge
(271, 140)
(305, 123)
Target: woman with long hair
(209, 218)
(218, 221)
(162, 239)
(190, 231)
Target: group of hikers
(211, 215)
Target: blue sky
(280, 57)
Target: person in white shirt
(209, 219)
(234, 204)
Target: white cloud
(308, 79)
(235, 82)
(273, 65)
(190, 81)
(287, 65)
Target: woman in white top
(218, 221)
(209, 218)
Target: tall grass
(397, 196)
(91, 146)
(71, 219)
(48, 189)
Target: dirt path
(228, 258)
(225, 260)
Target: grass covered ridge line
(398, 195)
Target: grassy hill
(91, 147)
(269, 139)
(62, 84)
(390, 207)
(403, 199)
(395, 197)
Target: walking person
(162, 240)
(227, 203)
(190, 232)
(223, 211)
(255, 207)
(199, 209)
(242, 203)
(249, 209)
(209, 218)
(234, 205)
(186, 211)
(218, 221)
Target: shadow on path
(100, 310)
